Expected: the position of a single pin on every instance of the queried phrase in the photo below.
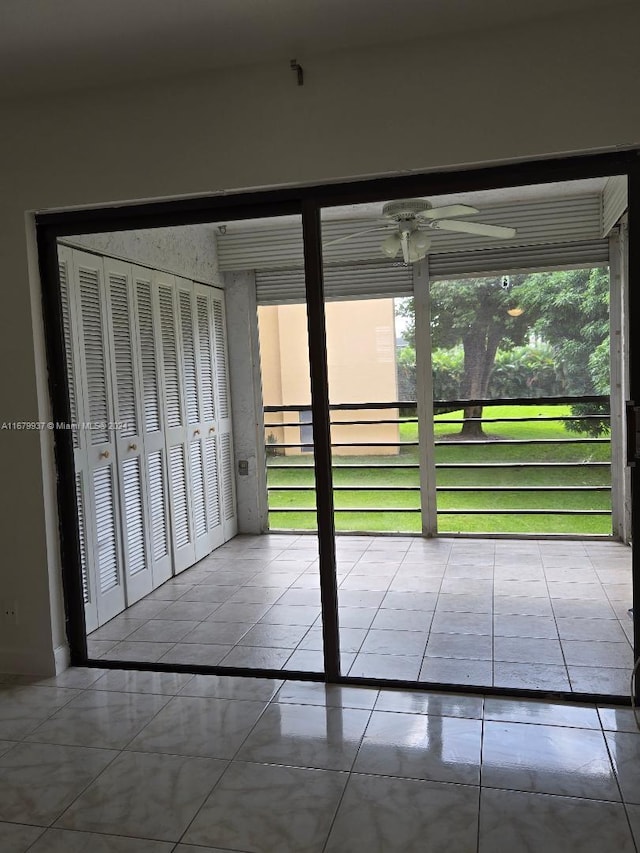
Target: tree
(572, 308)
(472, 312)
(566, 309)
(571, 311)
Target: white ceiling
(48, 45)
(480, 199)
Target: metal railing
(408, 457)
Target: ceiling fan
(413, 219)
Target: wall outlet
(9, 612)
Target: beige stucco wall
(552, 87)
(361, 362)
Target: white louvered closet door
(101, 497)
(82, 483)
(128, 436)
(190, 363)
(223, 405)
(176, 430)
(149, 357)
(207, 456)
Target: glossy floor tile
(251, 765)
(539, 823)
(145, 796)
(537, 758)
(541, 615)
(387, 815)
(262, 808)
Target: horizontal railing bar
(311, 488)
(457, 421)
(523, 488)
(499, 442)
(347, 466)
(382, 466)
(521, 401)
(603, 416)
(458, 404)
(344, 407)
(352, 423)
(488, 465)
(524, 512)
(349, 444)
(346, 509)
(368, 509)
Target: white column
(619, 372)
(424, 398)
(246, 402)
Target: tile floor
(138, 762)
(542, 614)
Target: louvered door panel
(223, 408)
(210, 533)
(197, 489)
(172, 392)
(103, 498)
(68, 310)
(70, 323)
(228, 491)
(192, 403)
(178, 375)
(87, 583)
(95, 380)
(93, 334)
(213, 482)
(222, 371)
(179, 489)
(134, 514)
(158, 506)
(106, 552)
(128, 396)
(205, 362)
(149, 355)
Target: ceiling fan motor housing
(405, 208)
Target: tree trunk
(472, 429)
(480, 346)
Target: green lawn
(453, 452)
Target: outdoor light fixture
(391, 245)
(515, 312)
(414, 245)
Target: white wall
(554, 87)
(188, 251)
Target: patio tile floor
(543, 614)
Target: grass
(453, 452)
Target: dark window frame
(307, 201)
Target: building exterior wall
(362, 369)
(514, 93)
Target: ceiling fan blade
(355, 234)
(478, 228)
(448, 210)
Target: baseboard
(62, 658)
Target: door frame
(307, 201)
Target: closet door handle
(132, 447)
(196, 432)
(104, 454)
(212, 429)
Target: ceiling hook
(295, 66)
